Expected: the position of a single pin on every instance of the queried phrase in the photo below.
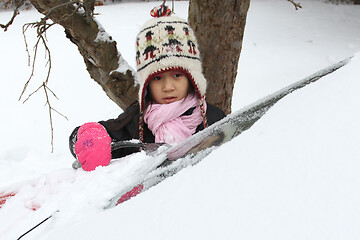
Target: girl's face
(168, 87)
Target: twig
(41, 28)
(50, 115)
(16, 12)
(49, 11)
(46, 89)
(296, 5)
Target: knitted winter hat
(168, 43)
(163, 44)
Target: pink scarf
(167, 122)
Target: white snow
(293, 175)
(102, 36)
(124, 67)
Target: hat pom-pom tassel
(161, 11)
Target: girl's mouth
(169, 99)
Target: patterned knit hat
(163, 44)
(168, 43)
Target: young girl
(171, 104)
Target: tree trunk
(100, 54)
(219, 28)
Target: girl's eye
(176, 75)
(157, 78)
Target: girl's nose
(168, 85)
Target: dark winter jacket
(126, 127)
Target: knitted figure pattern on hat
(168, 43)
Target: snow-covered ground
(293, 175)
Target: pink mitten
(92, 147)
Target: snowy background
(293, 175)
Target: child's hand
(92, 147)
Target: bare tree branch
(41, 28)
(50, 109)
(16, 12)
(100, 55)
(296, 5)
(49, 11)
